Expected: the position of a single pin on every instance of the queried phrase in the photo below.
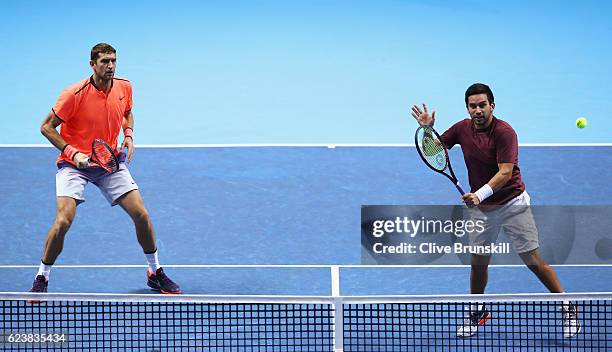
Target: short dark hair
(479, 88)
(101, 48)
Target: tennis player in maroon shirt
(497, 197)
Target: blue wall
(315, 71)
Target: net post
(338, 309)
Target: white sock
(44, 270)
(152, 261)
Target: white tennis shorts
(515, 218)
(71, 182)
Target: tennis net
(103, 322)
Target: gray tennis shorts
(71, 182)
(515, 218)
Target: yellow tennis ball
(581, 122)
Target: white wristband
(484, 192)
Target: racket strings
(104, 157)
(433, 151)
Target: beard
(481, 120)
(108, 76)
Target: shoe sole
(35, 301)
(170, 293)
(164, 292)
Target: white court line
(308, 145)
(335, 280)
(307, 266)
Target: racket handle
(458, 185)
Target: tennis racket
(434, 154)
(103, 155)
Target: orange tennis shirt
(88, 113)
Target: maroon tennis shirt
(483, 150)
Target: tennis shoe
(471, 323)
(39, 286)
(159, 281)
(571, 324)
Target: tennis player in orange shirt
(96, 107)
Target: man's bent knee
(66, 211)
(63, 223)
(141, 217)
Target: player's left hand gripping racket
(434, 154)
(103, 155)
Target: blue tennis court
(230, 218)
(277, 221)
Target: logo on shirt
(121, 98)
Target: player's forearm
(53, 136)
(128, 121)
(500, 179)
(48, 129)
(496, 182)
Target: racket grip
(458, 185)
